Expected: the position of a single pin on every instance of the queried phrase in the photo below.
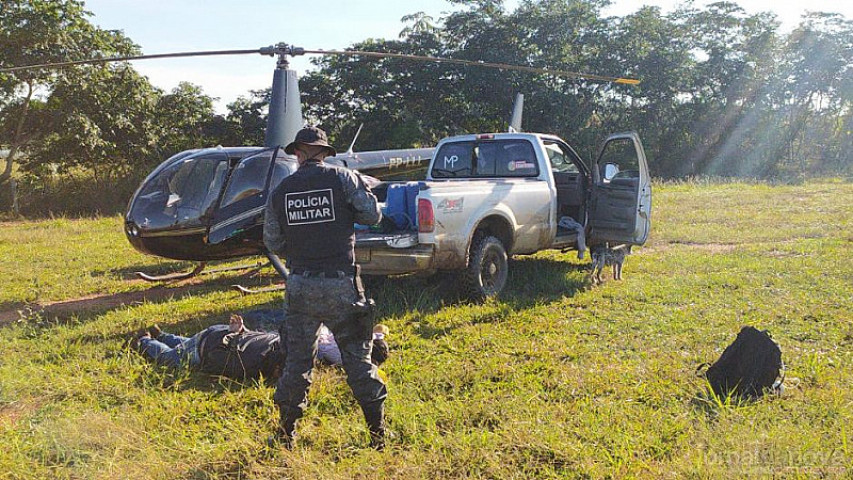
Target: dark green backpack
(749, 367)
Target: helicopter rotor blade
(284, 49)
(95, 61)
(457, 61)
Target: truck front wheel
(487, 269)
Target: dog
(602, 256)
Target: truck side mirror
(610, 171)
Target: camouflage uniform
(309, 220)
(313, 299)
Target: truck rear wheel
(487, 269)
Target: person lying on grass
(327, 351)
(229, 350)
(236, 352)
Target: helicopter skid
(198, 270)
(252, 291)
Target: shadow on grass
(60, 312)
(262, 317)
(184, 379)
(712, 405)
(541, 280)
(532, 281)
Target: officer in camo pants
(309, 221)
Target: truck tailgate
(404, 239)
(392, 253)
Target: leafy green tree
(37, 32)
(246, 121)
(183, 118)
(817, 96)
(722, 93)
(102, 118)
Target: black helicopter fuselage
(209, 204)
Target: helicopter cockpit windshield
(182, 193)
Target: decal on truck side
(451, 205)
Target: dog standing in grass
(604, 256)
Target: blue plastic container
(412, 189)
(395, 206)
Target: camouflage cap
(310, 136)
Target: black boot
(283, 435)
(374, 414)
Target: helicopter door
(622, 192)
(182, 195)
(242, 204)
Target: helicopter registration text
(316, 206)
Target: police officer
(309, 221)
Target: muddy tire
(487, 269)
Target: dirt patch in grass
(98, 302)
(706, 247)
(709, 247)
(784, 254)
(11, 413)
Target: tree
(102, 118)
(36, 32)
(246, 121)
(183, 118)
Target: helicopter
(208, 204)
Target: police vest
(317, 221)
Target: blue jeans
(173, 350)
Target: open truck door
(621, 206)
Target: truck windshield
(486, 159)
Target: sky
(161, 26)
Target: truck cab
(489, 196)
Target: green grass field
(557, 379)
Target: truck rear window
(485, 159)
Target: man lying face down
(228, 350)
(236, 352)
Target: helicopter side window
(248, 178)
(282, 169)
(155, 204)
(181, 193)
(215, 187)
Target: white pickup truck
(489, 196)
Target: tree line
(722, 92)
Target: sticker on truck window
(451, 205)
(519, 165)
